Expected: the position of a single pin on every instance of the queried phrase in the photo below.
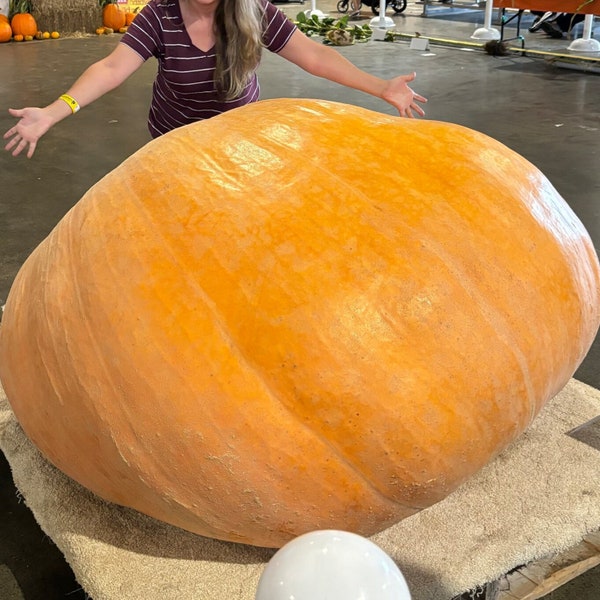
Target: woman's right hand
(32, 125)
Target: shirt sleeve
(277, 29)
(143, 35)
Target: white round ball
(331, 565)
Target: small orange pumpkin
(129, 17)
(113, 17)
(233, 333)
(24, 24)
(5, 31)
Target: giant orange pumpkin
(239, 333)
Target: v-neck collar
(185, 31)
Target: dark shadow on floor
(33, 559)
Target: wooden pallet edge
(535, 580)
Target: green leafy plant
(336, 32)
(16, 7)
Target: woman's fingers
(12, 142)
(418, 110)
(32, 147)
(17, 145)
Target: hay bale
(67, 16)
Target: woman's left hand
(402, 97)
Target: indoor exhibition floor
(547, 113)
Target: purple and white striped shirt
(184, 90)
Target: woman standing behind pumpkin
(208, 52)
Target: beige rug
(539, 497)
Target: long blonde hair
(238, 29)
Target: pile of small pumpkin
(114, 19)
(22, 26)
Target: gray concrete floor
(549, 114)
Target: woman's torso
(184, 90)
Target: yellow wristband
(73, 104)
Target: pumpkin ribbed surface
(237, 332)
(23, 24)
(113, 17)
(5, 31)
